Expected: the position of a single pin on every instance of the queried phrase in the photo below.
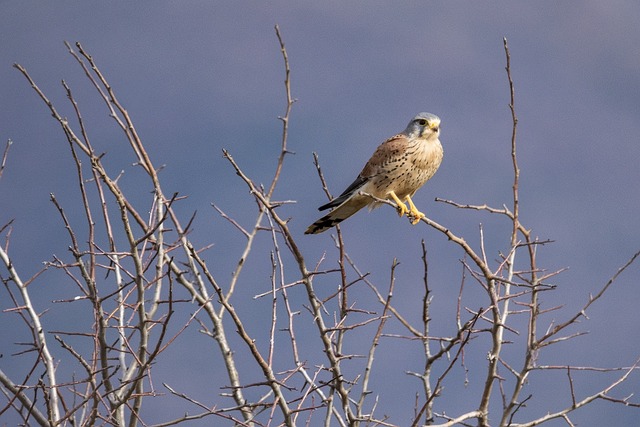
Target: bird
(396, 170)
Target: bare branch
(40, 338)
(5, 154)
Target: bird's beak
(432, 127)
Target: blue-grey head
(424, 125)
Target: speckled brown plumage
(397, 169)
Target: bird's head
(424, 125)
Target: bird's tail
(339, 214)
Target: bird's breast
(420, 163)
(405, 170)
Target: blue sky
(201, 76)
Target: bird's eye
(422, 122)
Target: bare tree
(134, 266)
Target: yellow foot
(416, 216)
(401, 207)
(414, 212)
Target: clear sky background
(201, 76)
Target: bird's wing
(391, 149)
(352, 189)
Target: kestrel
(397, 169)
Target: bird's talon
(402, 209)
(416, 216)
(414, 212)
